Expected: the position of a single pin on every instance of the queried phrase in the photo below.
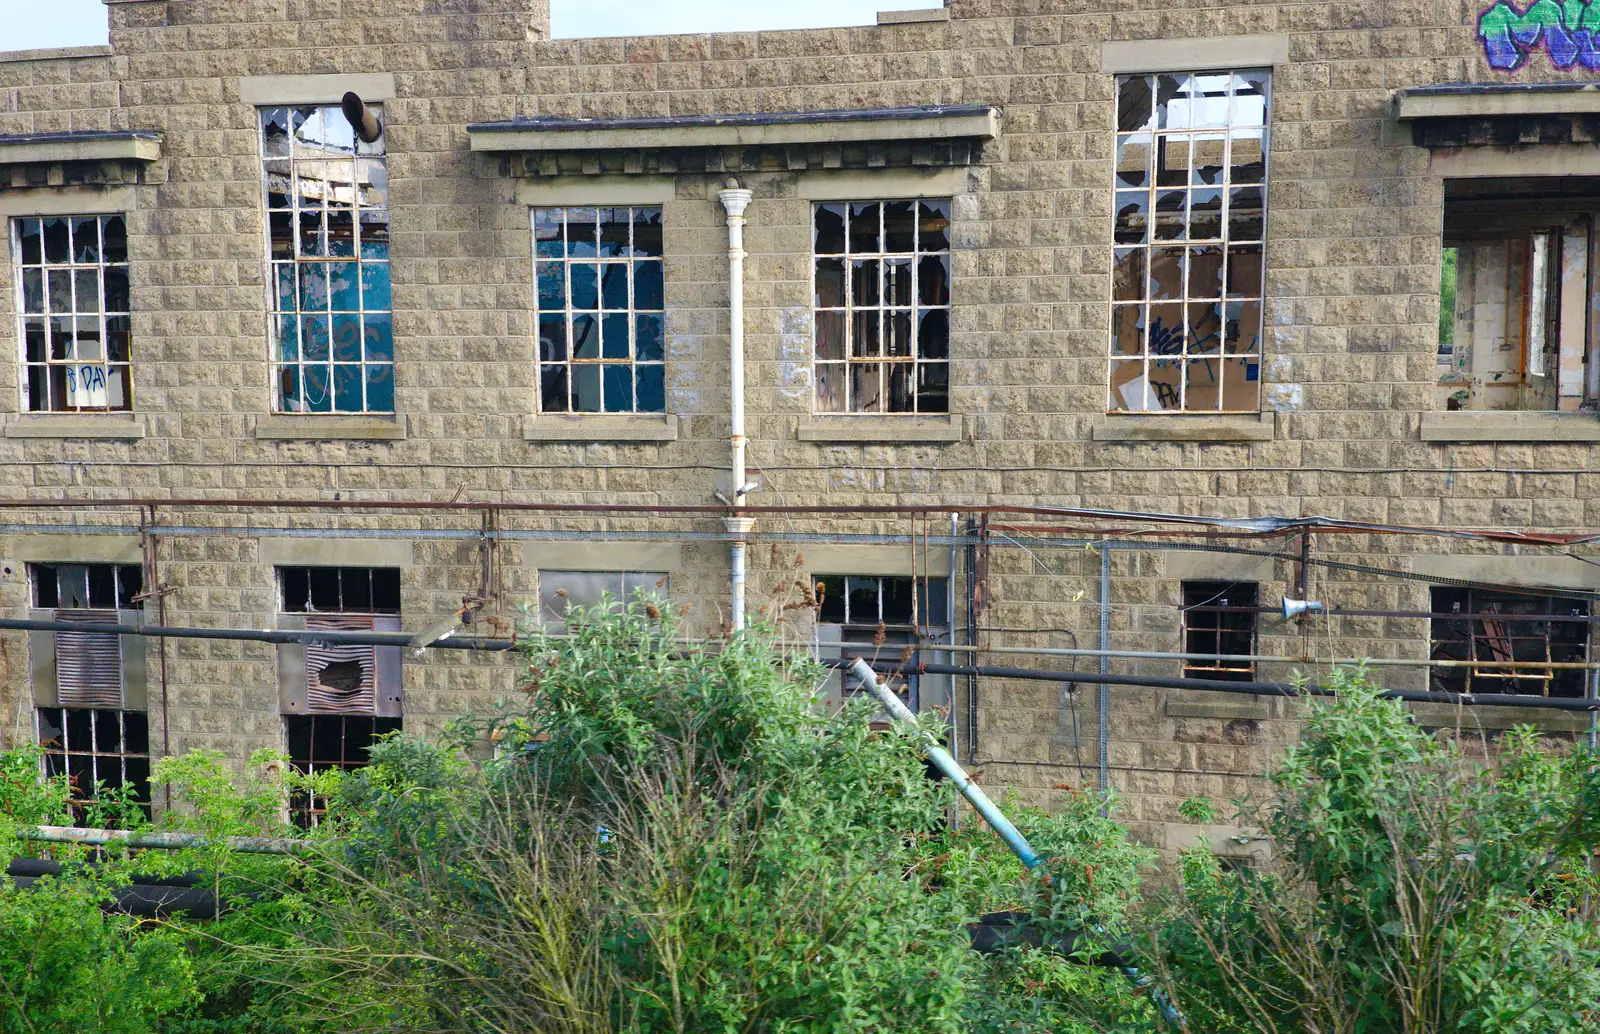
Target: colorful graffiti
(1569, 31)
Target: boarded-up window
(86, 669)
(332, 677)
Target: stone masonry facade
(1349, 423)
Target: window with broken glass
(1219, 618)
(71, 279)
(1508, 638)
(600, 296)
(1190, 214)
(559, 590)
(879, 617)
(88, 730)
(1517, 281)
(881, 306)
(348, 694)
(328, 227)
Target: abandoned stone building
(399, 316)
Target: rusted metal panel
(341, 679)
(88, 664)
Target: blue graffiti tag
(1569, 31)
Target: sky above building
(27, 24)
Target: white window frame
(98, 372)
(569, 364)
(1132, 293)
(848, 312)
(278, 313)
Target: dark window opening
(87, 586)
(98, 750)
(341, 590)
(1219, 618)
(1494, 629)
(320, 742)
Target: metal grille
(1191, 180)
(95, 749)
(88, 664)
(881, 297)
(1216, 619)
(318, 743)
(340, 679)
(72, 294)
(601, 301)
(327, 212)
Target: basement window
(601, 299)
(559, 590)
(1490, 628)
(332, 327)
(881, 306)
(1517, 281)
(878, 617)
(337, 698)
(1219, 618)
(72, 281)
(1189, 228)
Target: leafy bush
(1420, 891)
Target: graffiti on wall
(1569, 31)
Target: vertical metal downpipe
(734, 201)
(1594, 716)
(1105, 665)
(972, 640)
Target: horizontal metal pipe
(1270, 689)
(259, 635)
(159, 841)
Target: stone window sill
(887, 429)
(330, 426)
(126, 426)
(1510, 426)
(1197, 703)
(600, 427)
(1168, 427)
(1448, 716)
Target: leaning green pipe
(991, 814)
(945, 763)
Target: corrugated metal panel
(88, 664)
(340, 679)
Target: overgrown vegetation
(673, 839)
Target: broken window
(559, 590)
(88, 687)
(1190, 217)
(72, 278)
(601, 297)
(1219, 618)
(1534, 629)
(878, 617)
(337, 697)
(1517, 282)
(320, 742)
(881, 306)
(328, 223)
(98, 750)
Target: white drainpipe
(735, 201)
